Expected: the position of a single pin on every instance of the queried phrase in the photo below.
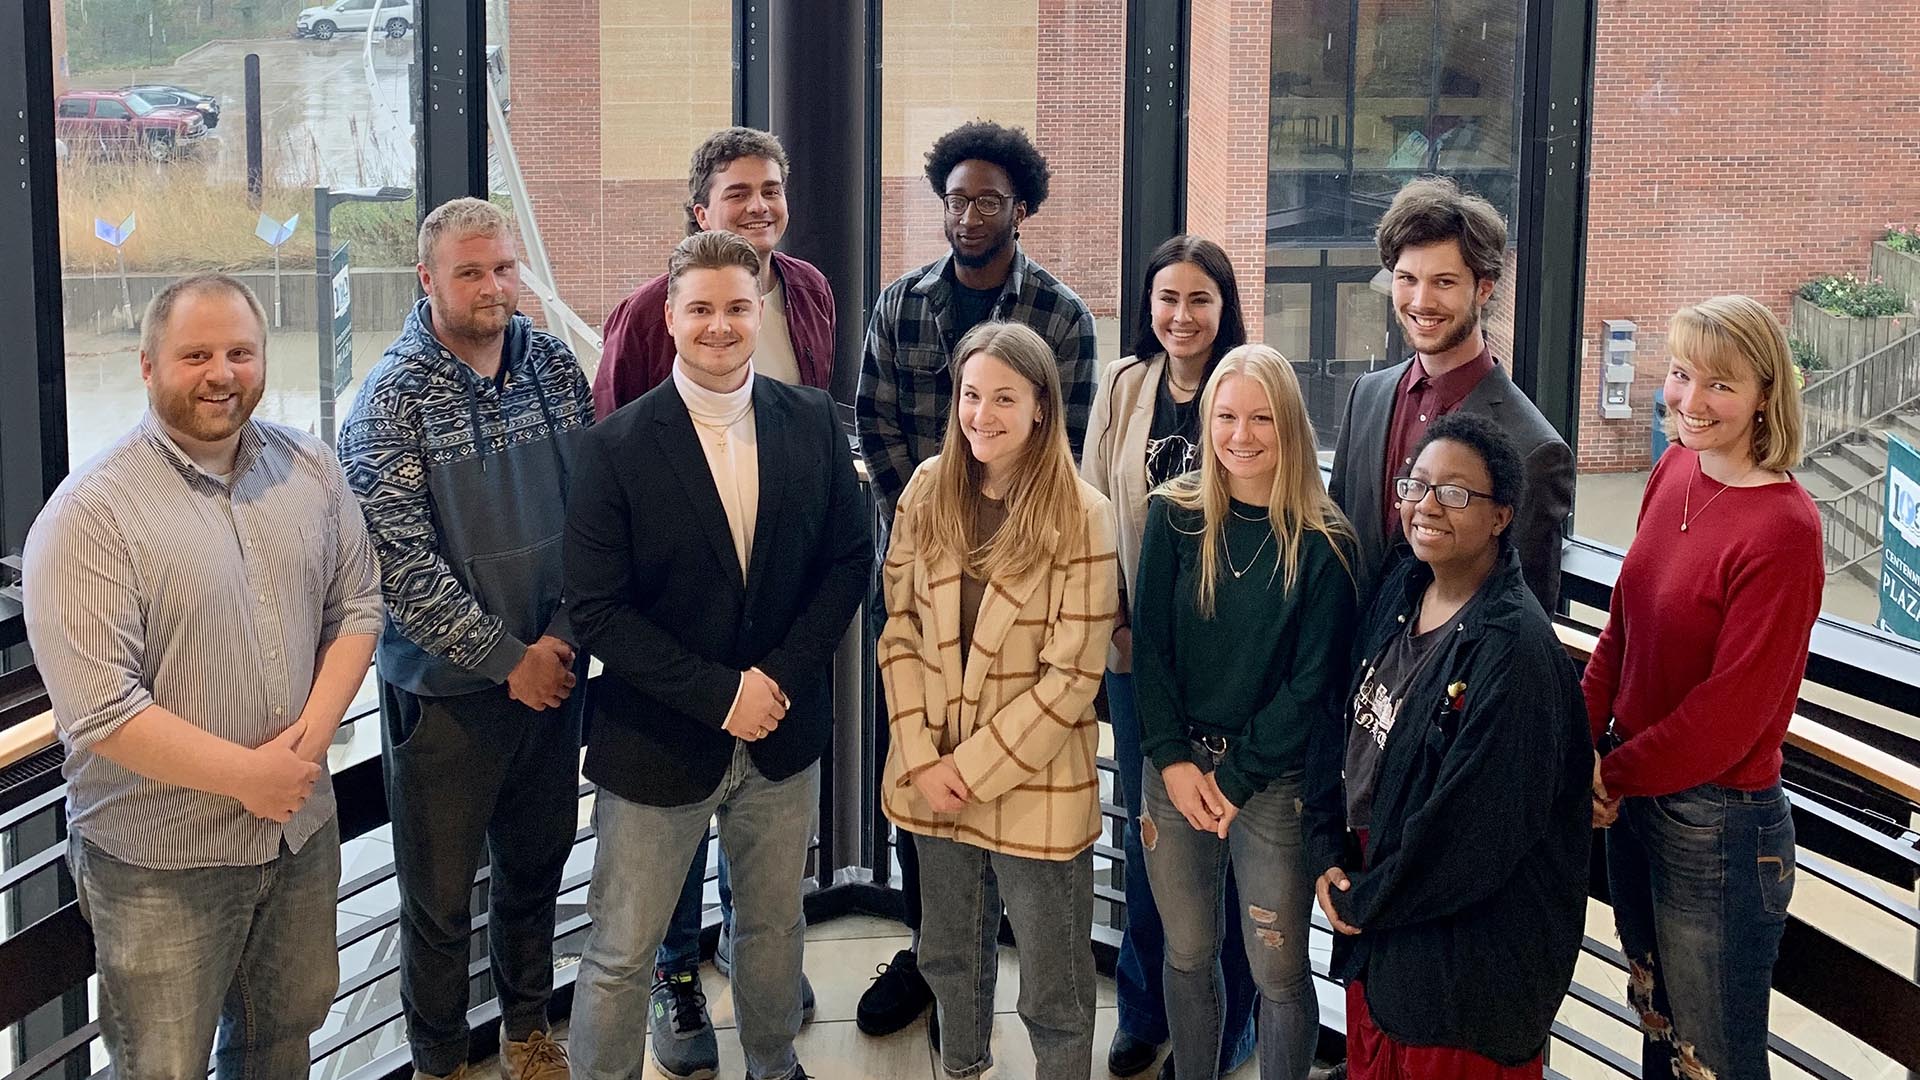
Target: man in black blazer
(1444, 249)
(717, 548)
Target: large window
(1358, 97)
(1055, 69)
(154, 184)
(1761, 156)
(604, 104)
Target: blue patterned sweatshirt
(463, 482)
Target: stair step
(1842, 470)
(1907, 426)
(1870, 455)
(1867, 570)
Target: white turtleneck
(724, 424)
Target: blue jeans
(680, 949)
(1700, 882)
(639, 867)
(1050, 904)
(1136, 974)
(1265, 849)
(246, 951)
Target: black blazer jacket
(657, 593)
(1360, 467)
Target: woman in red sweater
(1690, 689)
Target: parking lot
(324, 120)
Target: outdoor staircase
(1847, 483)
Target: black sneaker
(897, 997)
(933, 1030)
(1128, 1056)
(679, 1028)
(1331, 1072)
(1166, 1068)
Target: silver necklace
(1236, 571)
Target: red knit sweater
(1701, 661)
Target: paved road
(324, 121)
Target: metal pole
(276, 286)
(323, 308)
(256, 172)
(826, 64)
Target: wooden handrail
(1868, 762)
(25, 739)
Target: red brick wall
(1079, 100)
(1742, 146)
(1229, 46)
(604, 236)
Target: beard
(181, 412)
(466, 324)
(1000, 241)
(1461, 331)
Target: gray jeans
(242, 952)
(1050, 905)
(638, 868)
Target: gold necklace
(720, 430)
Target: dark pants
(467, 776)
(1137, 972)
(1700, 882)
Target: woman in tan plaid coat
(1001, 590)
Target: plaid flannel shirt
(906, 383)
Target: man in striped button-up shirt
(202, 604)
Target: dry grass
(187, 223)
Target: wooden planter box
(1842, 339)
(1899, 270)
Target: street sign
(342, 321)
(1900, 558)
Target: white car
(354, 16)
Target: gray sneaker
(680, 1030)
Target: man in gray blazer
(1444, 249)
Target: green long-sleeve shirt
(1270, 664)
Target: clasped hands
(1198, 797)
(1606, 810)
(758, 708)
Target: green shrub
(1805, 356)
(1904, 238)
(1845, 294)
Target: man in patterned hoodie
(459, 448)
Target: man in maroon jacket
(737, 182)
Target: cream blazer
(1019, 719)
(1114, 459)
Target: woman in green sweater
(1242, 621)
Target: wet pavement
(325, 119)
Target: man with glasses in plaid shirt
(991, 179)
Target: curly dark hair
(1007, 147)
(1506, 475)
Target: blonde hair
(1298, 503)
(1738, 336)
(1044, 491)
(465, 216)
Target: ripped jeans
(1700, 881)
(1188, 869)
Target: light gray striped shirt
(150, 581)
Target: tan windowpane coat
(1019, 720)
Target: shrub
(1845, 294)
(1805, 356)
(1904, 238)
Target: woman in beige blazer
(1145, 430)
(1001, 594)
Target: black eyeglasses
(989, 204)
(1449, 495)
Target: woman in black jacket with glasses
(1449, 816)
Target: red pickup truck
(121, 123)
